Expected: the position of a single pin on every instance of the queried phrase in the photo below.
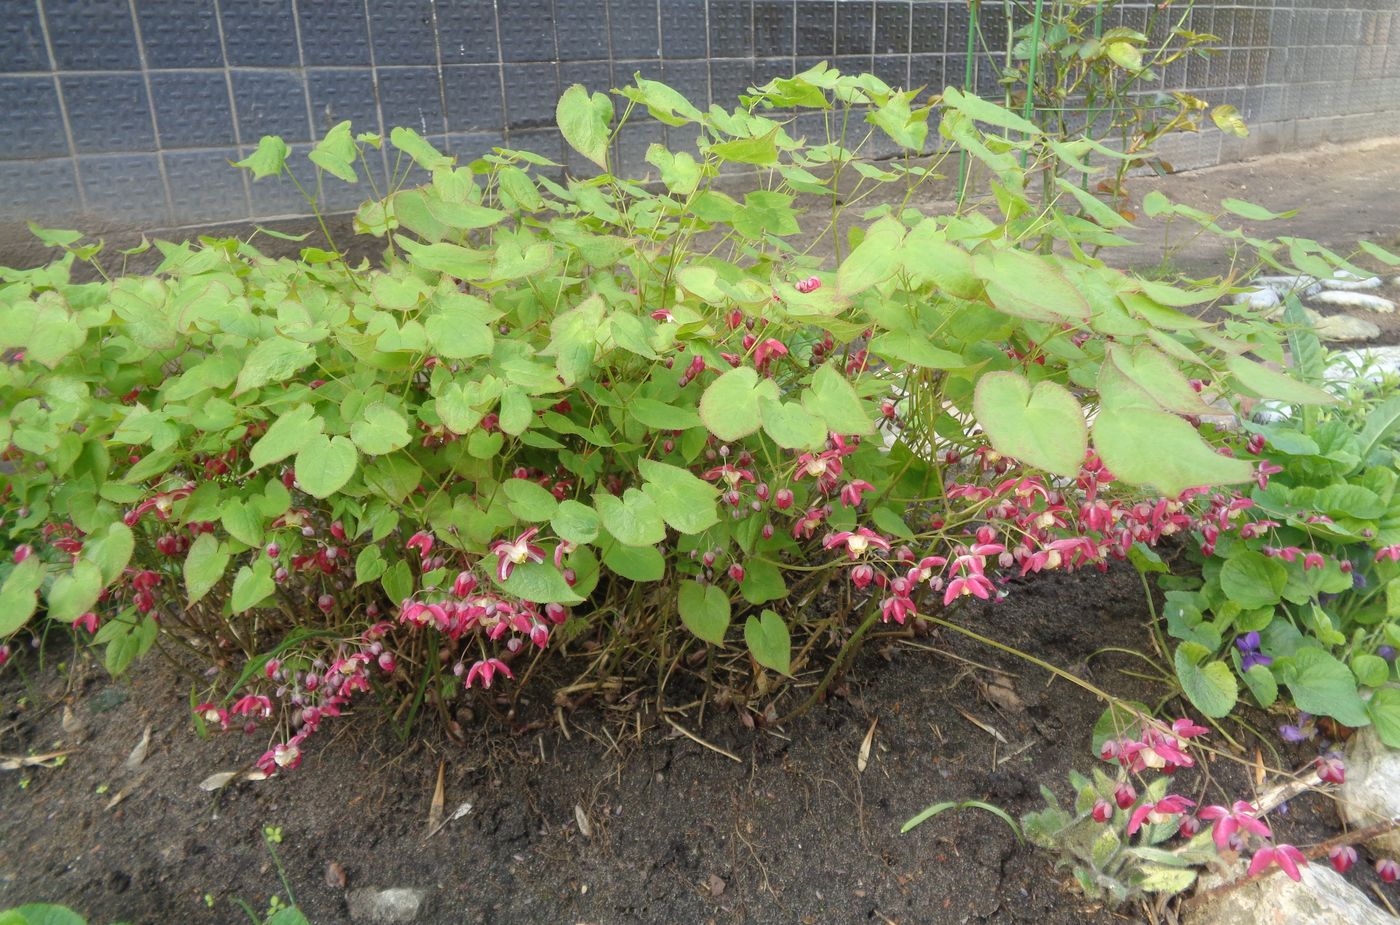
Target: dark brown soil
(790, 833)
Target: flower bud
(326, 602)
(1124, 795)
(1103, 811)
(736, 571)
(1342, 858)
(783, 499)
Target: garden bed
(680, 833)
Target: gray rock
(393, 906)
(1371, 793)
(1321, 897)
(1262, 299)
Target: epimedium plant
(652, 424)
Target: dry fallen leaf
(1000, 692)
(461, 810)
(224, 778)
(584, 826)
(717, 885)
(15, 762)
(138, 754)
(989, 730)
(335, 875)
(435, 808)
(864, 757)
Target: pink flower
(1389, 552)
(464, 584)
(976, 585)
(1261, 475)
(23, 551)
(423, 542)
(1387, 870)
(1287, 857)
(1189, 826)
(1186, 729)
(87, 621)
(513, 553)
(486, 670)
(1342, 858)
(897, 608)
(851, 492)
(212, 714)
(767, 351)
(1331, 769)
(1103, 811)
(1158, 812)
(857, 541)
(1313, 560)
(862, 575)
(1228, 821)
(253, 703)
(808, 523)
(1124, 795)
(810, 284)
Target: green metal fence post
(968, 75)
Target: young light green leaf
(336, 152)
(684, 501)
(634, 519)
(874, 259)
(1041, 426)
(729, 407)
(19, 595)
(288, 434)
(324, 465)
(252, 585)
(204, 566)
(1145, 447)
(269, 160)
(380, 430)
(75, 593)
(833, 399)
(585, 122)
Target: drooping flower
(486, 670)
(852, 491)
(511, 553)
(1158, 812)
(1331, 769)
(1287, 857)
(1124, 795)
(1102, 811)
(421, 541)
(1342, 858)
(1388, 870)
(978, 586)
(810, 284)
(1229, 820)
(857, 541)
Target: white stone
(1364, 363)
(394, 906)
(1371, 793)
(1362, 300)
(1262, 299)
(1350, 282)
(1321, 897)
(1342, 328)
(1283, 285)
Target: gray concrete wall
(128, 111)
